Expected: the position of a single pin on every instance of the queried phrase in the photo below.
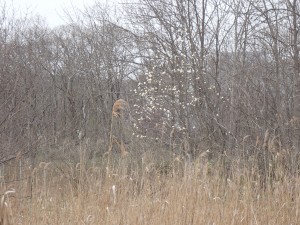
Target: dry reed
(147, 192)
(6, 217)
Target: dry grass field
(141, 190)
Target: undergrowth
(151, 188)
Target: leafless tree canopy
(198, 75)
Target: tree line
(197, 74)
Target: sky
(51, 10)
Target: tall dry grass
(145, 190)
(6, 217)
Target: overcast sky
(52, 10)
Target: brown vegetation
(144, 190)
(6, 217)
(202, 78)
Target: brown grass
(6, 217)
(136, 190)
